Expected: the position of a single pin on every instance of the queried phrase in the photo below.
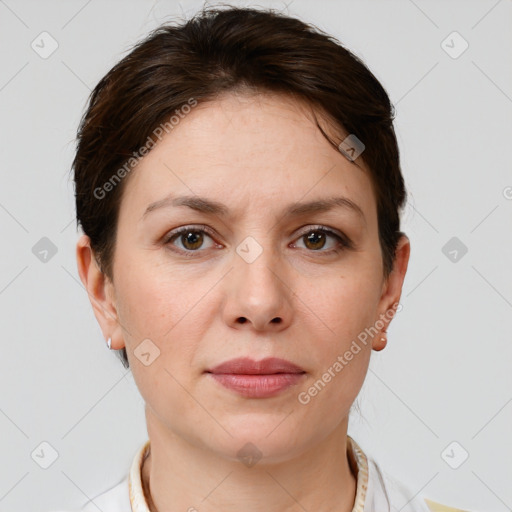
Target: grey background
(445, 374)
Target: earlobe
(98, 287)
(381, 343)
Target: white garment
(376, 490)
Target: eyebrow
(208, 206)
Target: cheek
(171, 311)
(152, 299)
(342, 308)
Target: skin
(256, 154)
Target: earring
(109, 343)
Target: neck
(177, 475)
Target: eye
(315, 239)
(191, 238)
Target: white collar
(376, 490)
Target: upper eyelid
(201, 227)
(320, 227)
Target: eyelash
(344, 242)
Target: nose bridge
(257, 261)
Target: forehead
(251, 150)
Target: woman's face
(256, 278)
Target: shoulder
(386, 493)
(114, 499)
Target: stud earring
(109, 343)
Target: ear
(100, 291)
(392, 291)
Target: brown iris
(192, 239)
(316, 238)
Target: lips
(248, 366)
(257, 379)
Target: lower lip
(258, 386)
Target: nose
(259, 293)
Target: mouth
(257, 379)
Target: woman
(239, 188)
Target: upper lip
(248, 366)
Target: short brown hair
(221, 50)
